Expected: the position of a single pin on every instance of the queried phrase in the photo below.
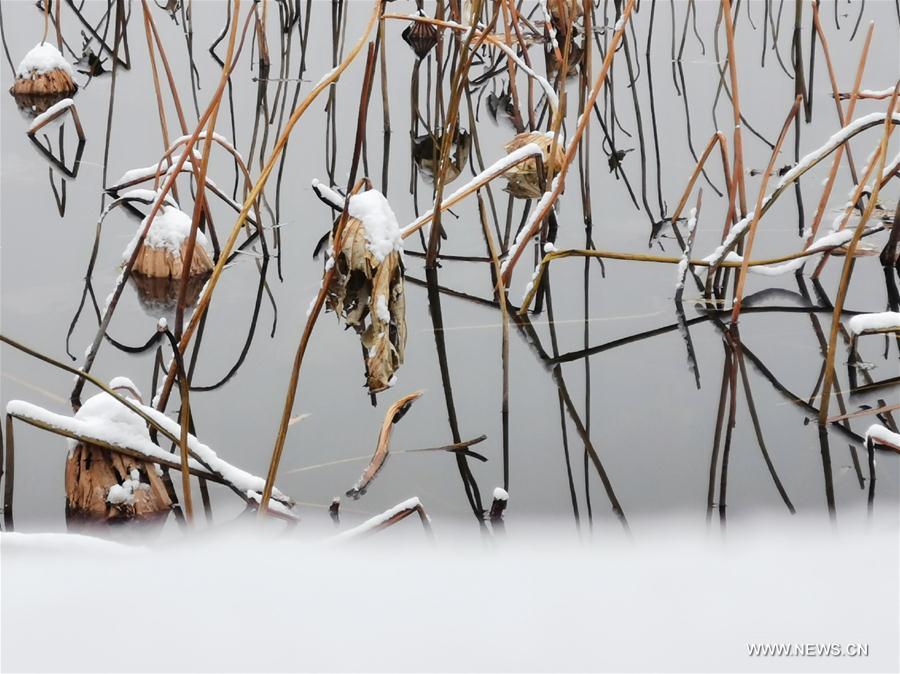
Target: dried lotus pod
(421, 36)
(162, 250)
(366, 290)
(523, 179)
(43, 74)
(163, 263)
(104, 487)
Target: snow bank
(37, 544)
(542, 601)
(41, 60)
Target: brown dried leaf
(523, 178)
(368, 295)
(394, 413)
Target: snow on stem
(879, 435)
(495, 170)
(769, 267)
(684, 263)
(805, 164)
(387, 518)
(53, 113)
(886, 321)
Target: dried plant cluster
(561, 82)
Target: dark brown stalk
(185, 386)
(9, 475)
(504, 346)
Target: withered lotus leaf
(523, 179)
(366, 291)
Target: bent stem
(757, 211)
(828, 380)
(662, 259)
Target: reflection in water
(158, 296)
(426, 155)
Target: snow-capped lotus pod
(162, 250)
(523, 179)
(105, 487)
(43, 78)
(422, 37)
(426, 152)
(366, 288)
